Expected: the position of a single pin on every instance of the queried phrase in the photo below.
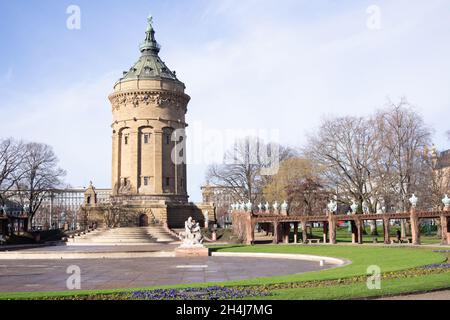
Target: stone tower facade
(149, 106)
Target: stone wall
(178, 214)
(129, 215)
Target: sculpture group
(192, 235)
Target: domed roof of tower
(149, 65)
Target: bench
(311, 241)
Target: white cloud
(277, 67)
(74, 121)
(287, 74)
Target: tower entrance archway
(143, 220)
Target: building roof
(443, 160)
(149, 65)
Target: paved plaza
(51, 275)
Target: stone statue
(267, 207)
(446, 201)
(192, 235)
(332, 206)
(249, 206)
(354, 207)
(275, 206)
(150, 20)
(414, 200)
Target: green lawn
(390, 260)
(360, 291)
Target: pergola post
(325, 232)
(304, 233)
(445, 221)
(444, 231)
(251, 232)
(359, 227)
(332, 229)
(275, 232)
(286, 231)
(415, 227)
(354, 231)
(295, 232)
(387, 230)
(448, 230)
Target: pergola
(245, 221)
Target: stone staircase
(161, 234)
(126, 236)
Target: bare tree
(41, 175)
(347, 148)
(11, 160)
(246, 167)
(405, 139)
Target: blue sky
(252, 64)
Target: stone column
(415, 227)
(116, 158)
(387, 230)
(134, 154)
(295, 232)
(325, 232)
(304, 233)
(158, 134)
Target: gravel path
(438, 295)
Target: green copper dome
(150, 65)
